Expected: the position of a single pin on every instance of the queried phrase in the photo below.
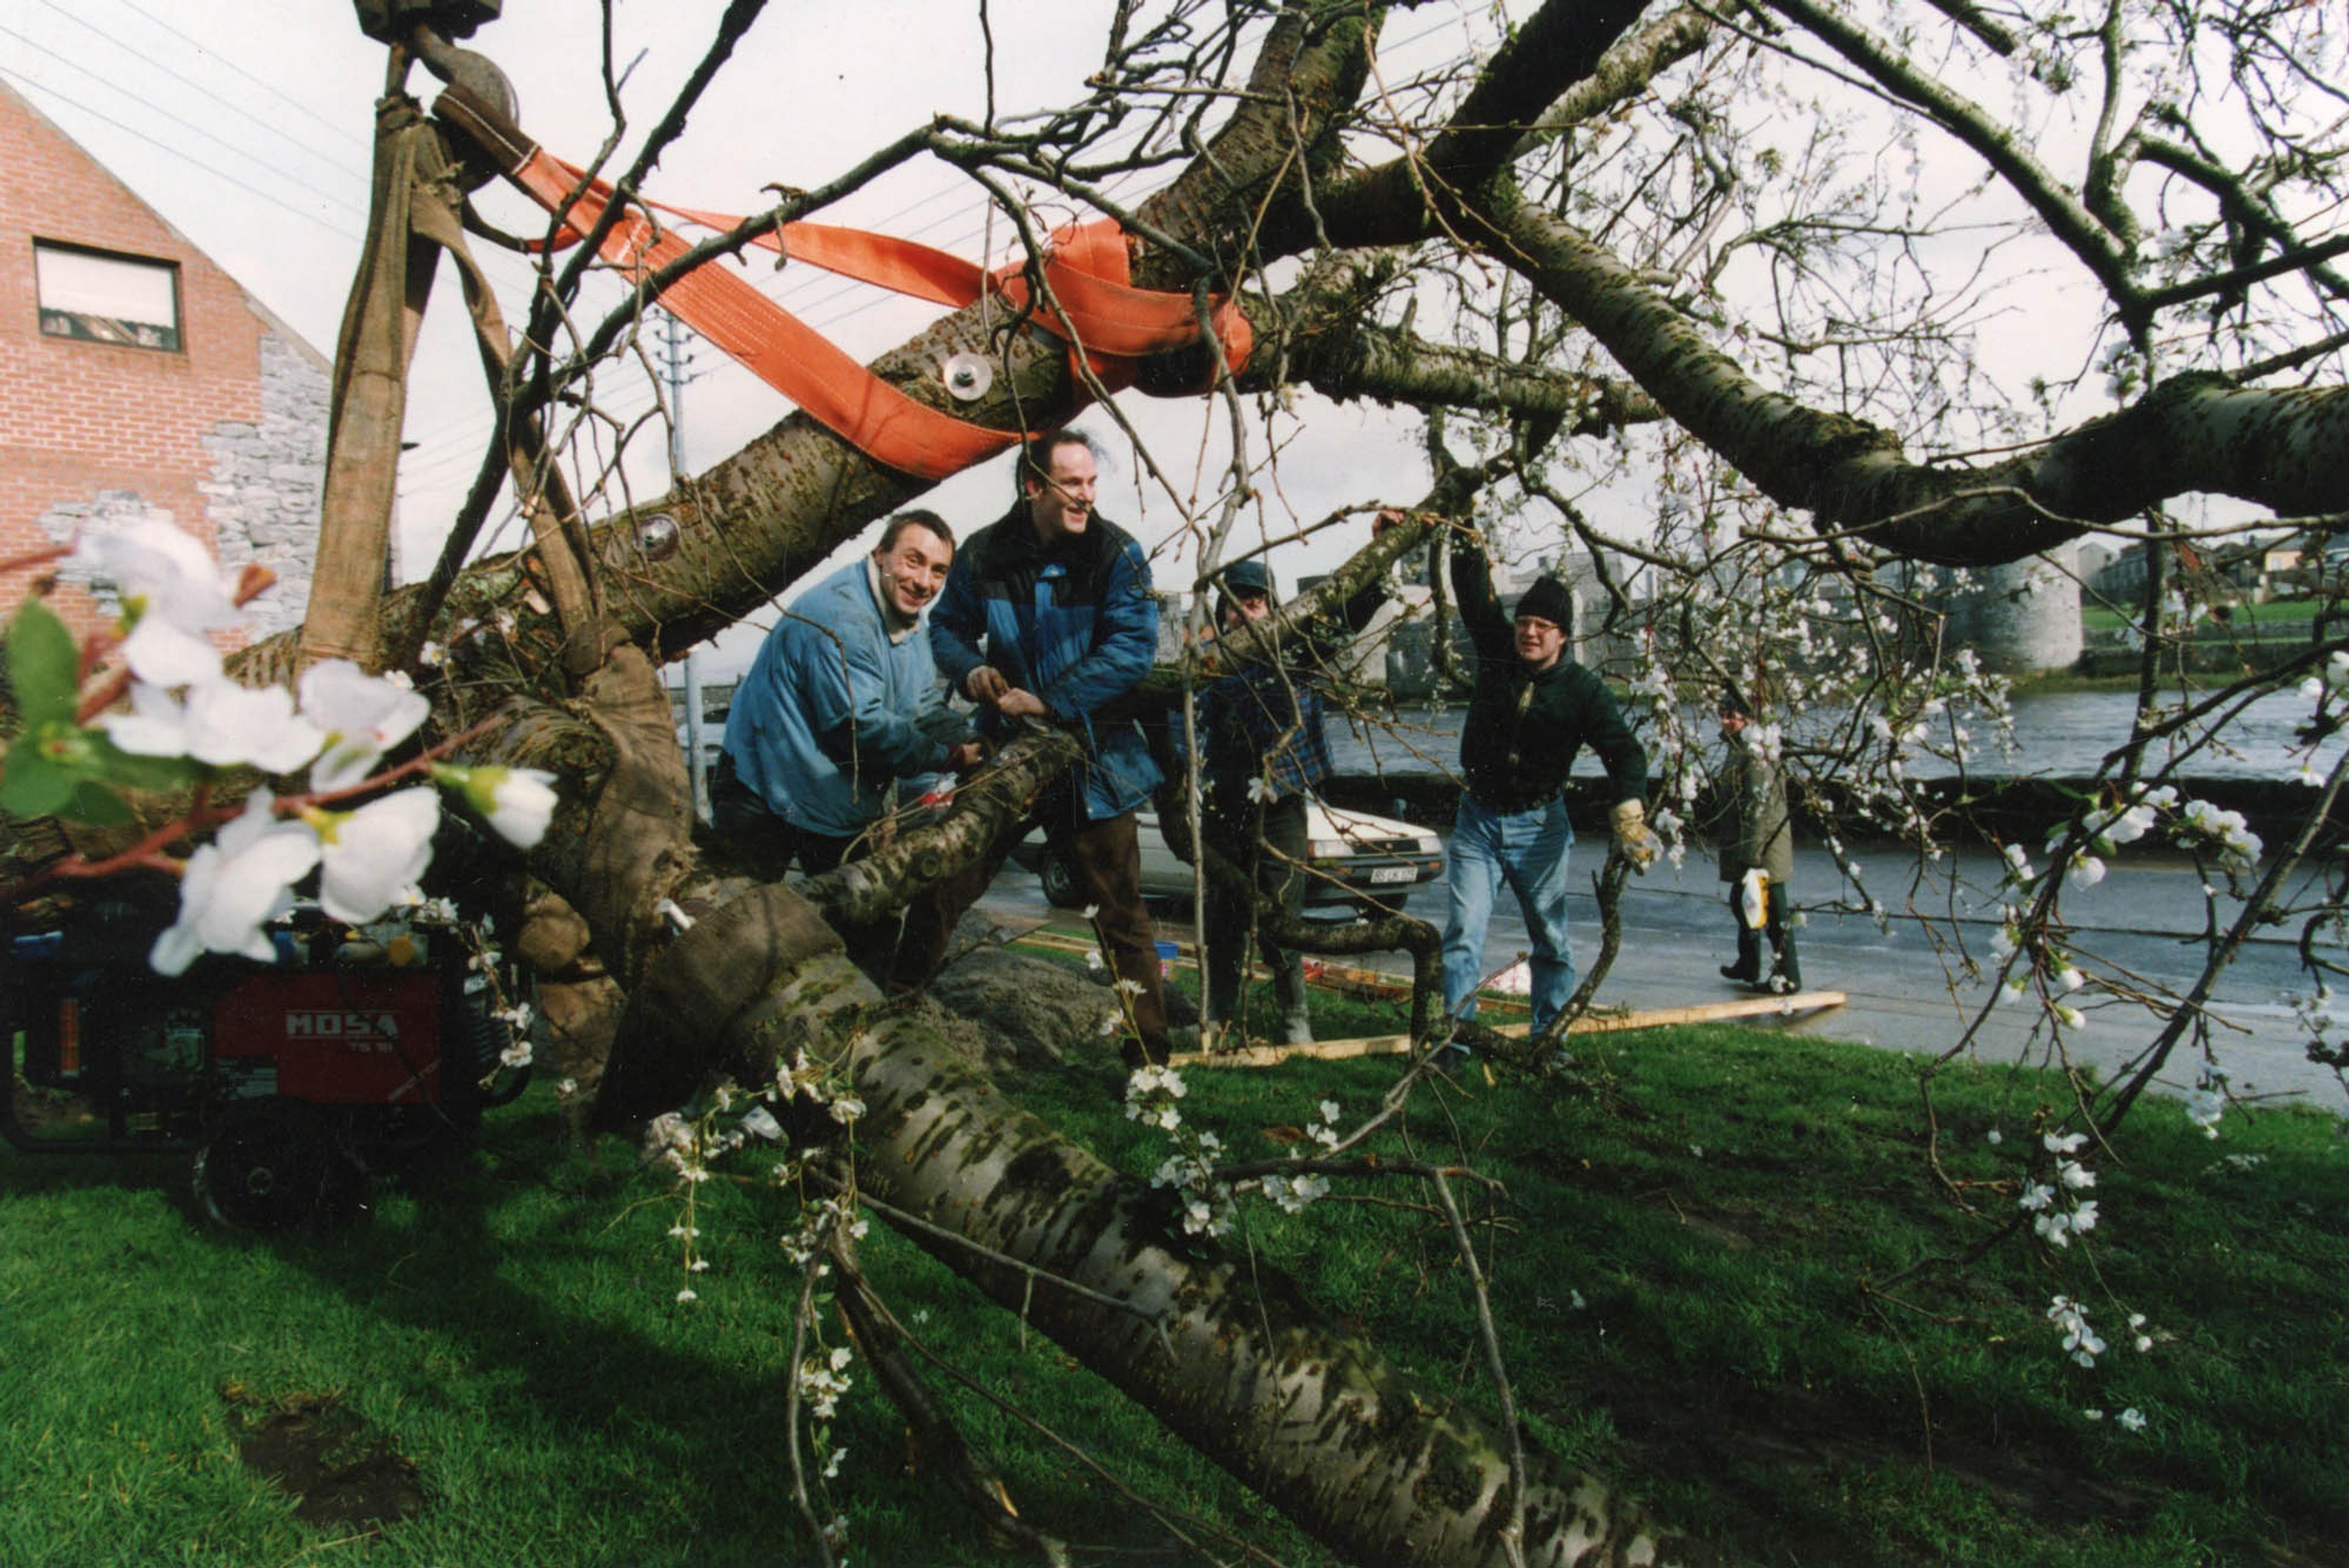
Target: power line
(461, 444)
(116, 87)
(105, 118)
(149, 105)
(343, 131)
(230, 104)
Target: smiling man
(1046, 617)
(1533, 709)
(842, 702)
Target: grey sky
(245, 123)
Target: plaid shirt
(1265, 724)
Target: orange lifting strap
(1087, 274)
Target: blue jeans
(1528, 850)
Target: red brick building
(138, 379)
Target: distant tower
(2022, 618)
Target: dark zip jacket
(1526, 727)
(1264, 720)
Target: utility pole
(673, 363)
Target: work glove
(1634, 839)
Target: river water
(2063, 734)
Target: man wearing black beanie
(1533, 709)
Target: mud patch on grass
(341, 1473)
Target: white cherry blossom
(517, 802)
(362, 715)
(235, 885)
(2070, 1320)
(220, 724)
(171, 595)
(156, 726)
(522, 804)
(374, 854)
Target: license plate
(1381, 875)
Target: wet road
(1907, 979)
(2063, 734)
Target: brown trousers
(1107, 858)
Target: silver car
(1362, 865)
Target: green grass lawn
(1692, 1244)
(2280, 615)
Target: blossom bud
(517, 802)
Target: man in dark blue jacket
(1260, 732)
(1047, 615)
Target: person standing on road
(1264, 756)
(1046, 616)
(842, 702)
(1532, 711)
(1758, 836)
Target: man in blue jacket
(841, 701)
(1045, 617)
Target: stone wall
(2022, 618)
(263, 496)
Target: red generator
(289, 1082)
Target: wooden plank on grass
(1378, 985)
(1273, 1055)
(1708, 1011)
(1062, 942)
(1057, 941)
(1596, 1023)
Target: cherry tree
(1746, 303)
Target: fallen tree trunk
(1230, 1354)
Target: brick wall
(225, 437)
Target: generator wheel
(272, 1165)
(1059, 876)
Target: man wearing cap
(1533, 709)
(1757, 836)
(1045, 618)
(1264, 755)
(841, 701)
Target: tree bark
(1232, 1355)
(2280, 449)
